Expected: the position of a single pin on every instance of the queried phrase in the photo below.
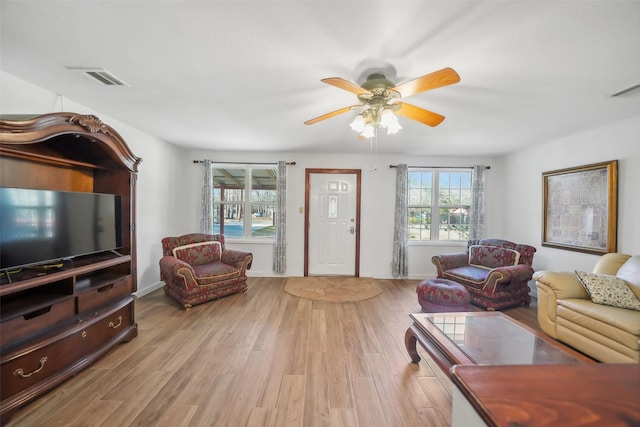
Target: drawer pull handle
(20, 372)
(116, 325)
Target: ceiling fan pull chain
(373, 146)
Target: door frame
(307, 190)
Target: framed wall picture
(580, 208)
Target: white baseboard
(148, 289)
(155, 286)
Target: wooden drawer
(49, 360)
(98, 296)
(37, 319)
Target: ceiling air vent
(101, 75)
(630, 91)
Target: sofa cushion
(491, 256)
(608, 290)
(610, 263)
(215, 272)
(603, 319)
(467, 275)
(609, 334)
(199, 253)
(630, 273)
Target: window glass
(419, 223)
(263, 199)
(263, 220)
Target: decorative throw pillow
(199, 253)
(608, 290)
(492, 256)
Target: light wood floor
(263, 358)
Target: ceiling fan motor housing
(380, 87)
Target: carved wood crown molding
(40, 129)
(91, 123)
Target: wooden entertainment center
(56, 321)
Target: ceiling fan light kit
(389, 121)
(379, 98)
(375, 117)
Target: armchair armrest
(508, 274)
(446, 262)
(563, 284)
(239, 259)
(172, 269)
(517, 273)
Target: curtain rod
(440, 167)
(244, 163)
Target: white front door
(332, 222)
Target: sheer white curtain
(399, 263)
(280, 248)
(476, 229)
(206, 205)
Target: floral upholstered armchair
(495, 272)
(197, 268)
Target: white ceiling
(245, 75)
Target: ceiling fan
(380, 98)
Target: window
(439, 204)
(244, 201)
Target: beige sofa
(606, 333)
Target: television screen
(41, 226)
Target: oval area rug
(333, 289)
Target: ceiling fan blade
(346, 85)
(331, 114)
(444, 77)
(419, 114)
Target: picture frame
(580, 208)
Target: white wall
(522, 195)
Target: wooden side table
(550, 395)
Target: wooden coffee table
(484, 338)
(600, 394)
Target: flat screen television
(41, 226)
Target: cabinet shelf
(30, 278)
(97, 281)
(31, 306)
(27, 155)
